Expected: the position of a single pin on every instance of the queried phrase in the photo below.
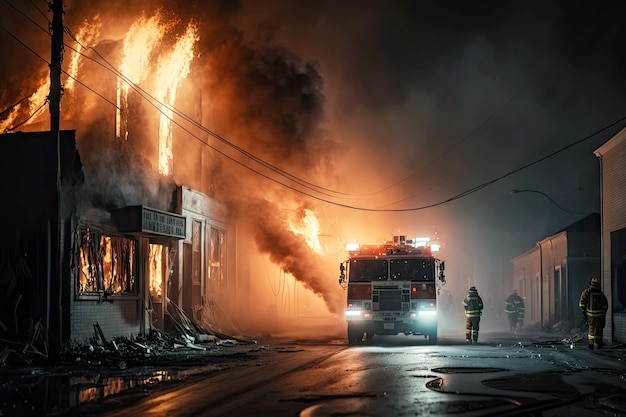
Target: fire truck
(392, 288)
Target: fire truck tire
(355, 334)
(432, 337)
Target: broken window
(107, 264)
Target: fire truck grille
(390, 300)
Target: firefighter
(593, 304)
(514, 309)
(473, 310)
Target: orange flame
(156, 270)
(10, 119)
(172, 69)
(87, 35)
(139, 42)
(37, 100)
(309, 228)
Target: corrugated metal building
(612, 157)
(551, 275)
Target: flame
(10, 119)
(87, 35)
(36, 100)
(309, 228)
(140, 41)
(156, 266)
(172, 69)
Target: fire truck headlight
(353, 313)
(427, 313)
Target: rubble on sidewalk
(184, 341)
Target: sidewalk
(575, 341)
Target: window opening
(107, 264)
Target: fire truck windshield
(363, 270)
(412, 269)
(368, 270)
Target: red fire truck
(392, 289)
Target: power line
(24, 45)
(39, 10)
(28, 17)
(251, 156)
(291, 177)
(48, 63)
(15, 104)
(144, 93)
(27, 119)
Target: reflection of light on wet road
(96, 387)
(355, 366)
(37, 394)
(419, 379)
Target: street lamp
(570, 212)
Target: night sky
(416, 117)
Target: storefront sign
(149, 221)
(162, 223)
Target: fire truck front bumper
(421, 323)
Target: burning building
(151, 206)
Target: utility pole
(54, 318)
(55, 65)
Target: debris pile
(183, 341)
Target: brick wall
(118, 318)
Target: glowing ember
(172, 69)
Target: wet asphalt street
(504, 374)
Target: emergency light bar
(352, 247)
(421, 244)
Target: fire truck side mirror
(342, 274)
(442, 267)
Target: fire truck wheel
(432, 338)
(355, 334)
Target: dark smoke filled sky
(398, 106)
(431, 99)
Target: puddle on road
(367, 406)
(549, 383)
(466, 370)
